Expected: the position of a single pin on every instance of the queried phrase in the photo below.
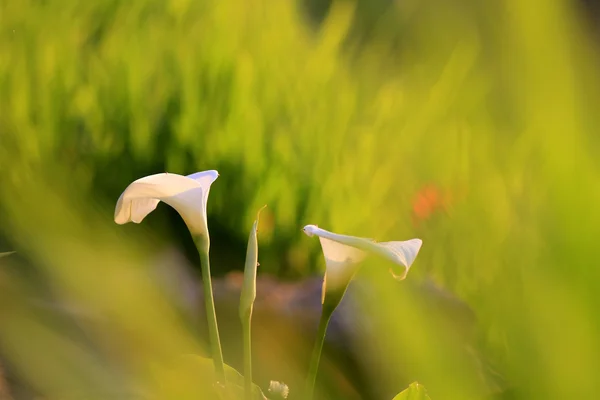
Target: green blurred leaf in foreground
(179, 381)
(414, 392)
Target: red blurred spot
(429, 200)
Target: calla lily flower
(344, 253)
(186, 194)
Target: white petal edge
(205, 179)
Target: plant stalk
(247, 338)
(203, 245)
(247, 297)
(316, 355)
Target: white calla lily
(344, 253)
(186, 194)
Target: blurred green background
(472, 125)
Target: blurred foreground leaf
(6, 254)
(180, 380)
(414, 392)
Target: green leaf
(415, 391)
(193, 377)
(6, 254)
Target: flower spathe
(343, 253)
(188, 195)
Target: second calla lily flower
(186, 194)
(343, 253)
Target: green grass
(494, 104)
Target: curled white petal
(402, 253)
(186, 194)
(134, 210)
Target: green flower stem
(203, 245)
(316, 355)
(247, 338)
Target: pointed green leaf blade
(249, 286)
(415, 391)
